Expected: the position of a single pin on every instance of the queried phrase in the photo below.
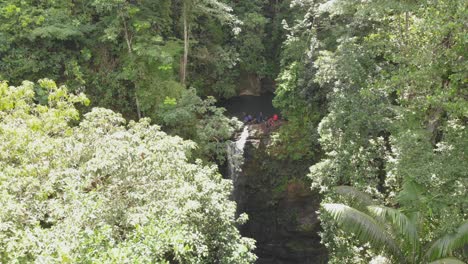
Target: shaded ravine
(276, 195)
(249, 104)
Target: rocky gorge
(276, 195)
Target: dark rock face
(252, 84)
(249, 84)
(281, 207)
(249, 104)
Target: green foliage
(447, 261)
(376, 89)
(123, 54)
(104, 191)
(214, 68)
(370, 227)
(252, 49)
(363, 226)
(110, 49)
(298, 138)
(200, 120)
(448, 243)
(383, 84)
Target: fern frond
(403, 224)
(364, 227)
(445, 245)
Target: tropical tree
(197, 119)
(101, 190)
(393, 231)
(393, 79)
(190, 9)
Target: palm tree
(380, 226)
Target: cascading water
(235, 158)
(280, 206)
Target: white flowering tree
(103, 191)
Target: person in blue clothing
(260, 118)
(247, 118)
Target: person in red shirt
(272, 120)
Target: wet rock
(249, 84)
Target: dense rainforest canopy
(373, 91)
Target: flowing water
(235, 158)
(237, 107)
(282, 210)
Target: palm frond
(445, 245)
(447, 261)
(403, 224)
(361, 199)
(364, 227)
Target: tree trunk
(407, 24)
(186, 46)
(400, 30)
(137, 105)
(128, 39)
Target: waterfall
(235, 157)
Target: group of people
(260, 119)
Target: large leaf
(402, 223)
(448, 243)
(411, 194)
(366, 228)
(361, 199)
